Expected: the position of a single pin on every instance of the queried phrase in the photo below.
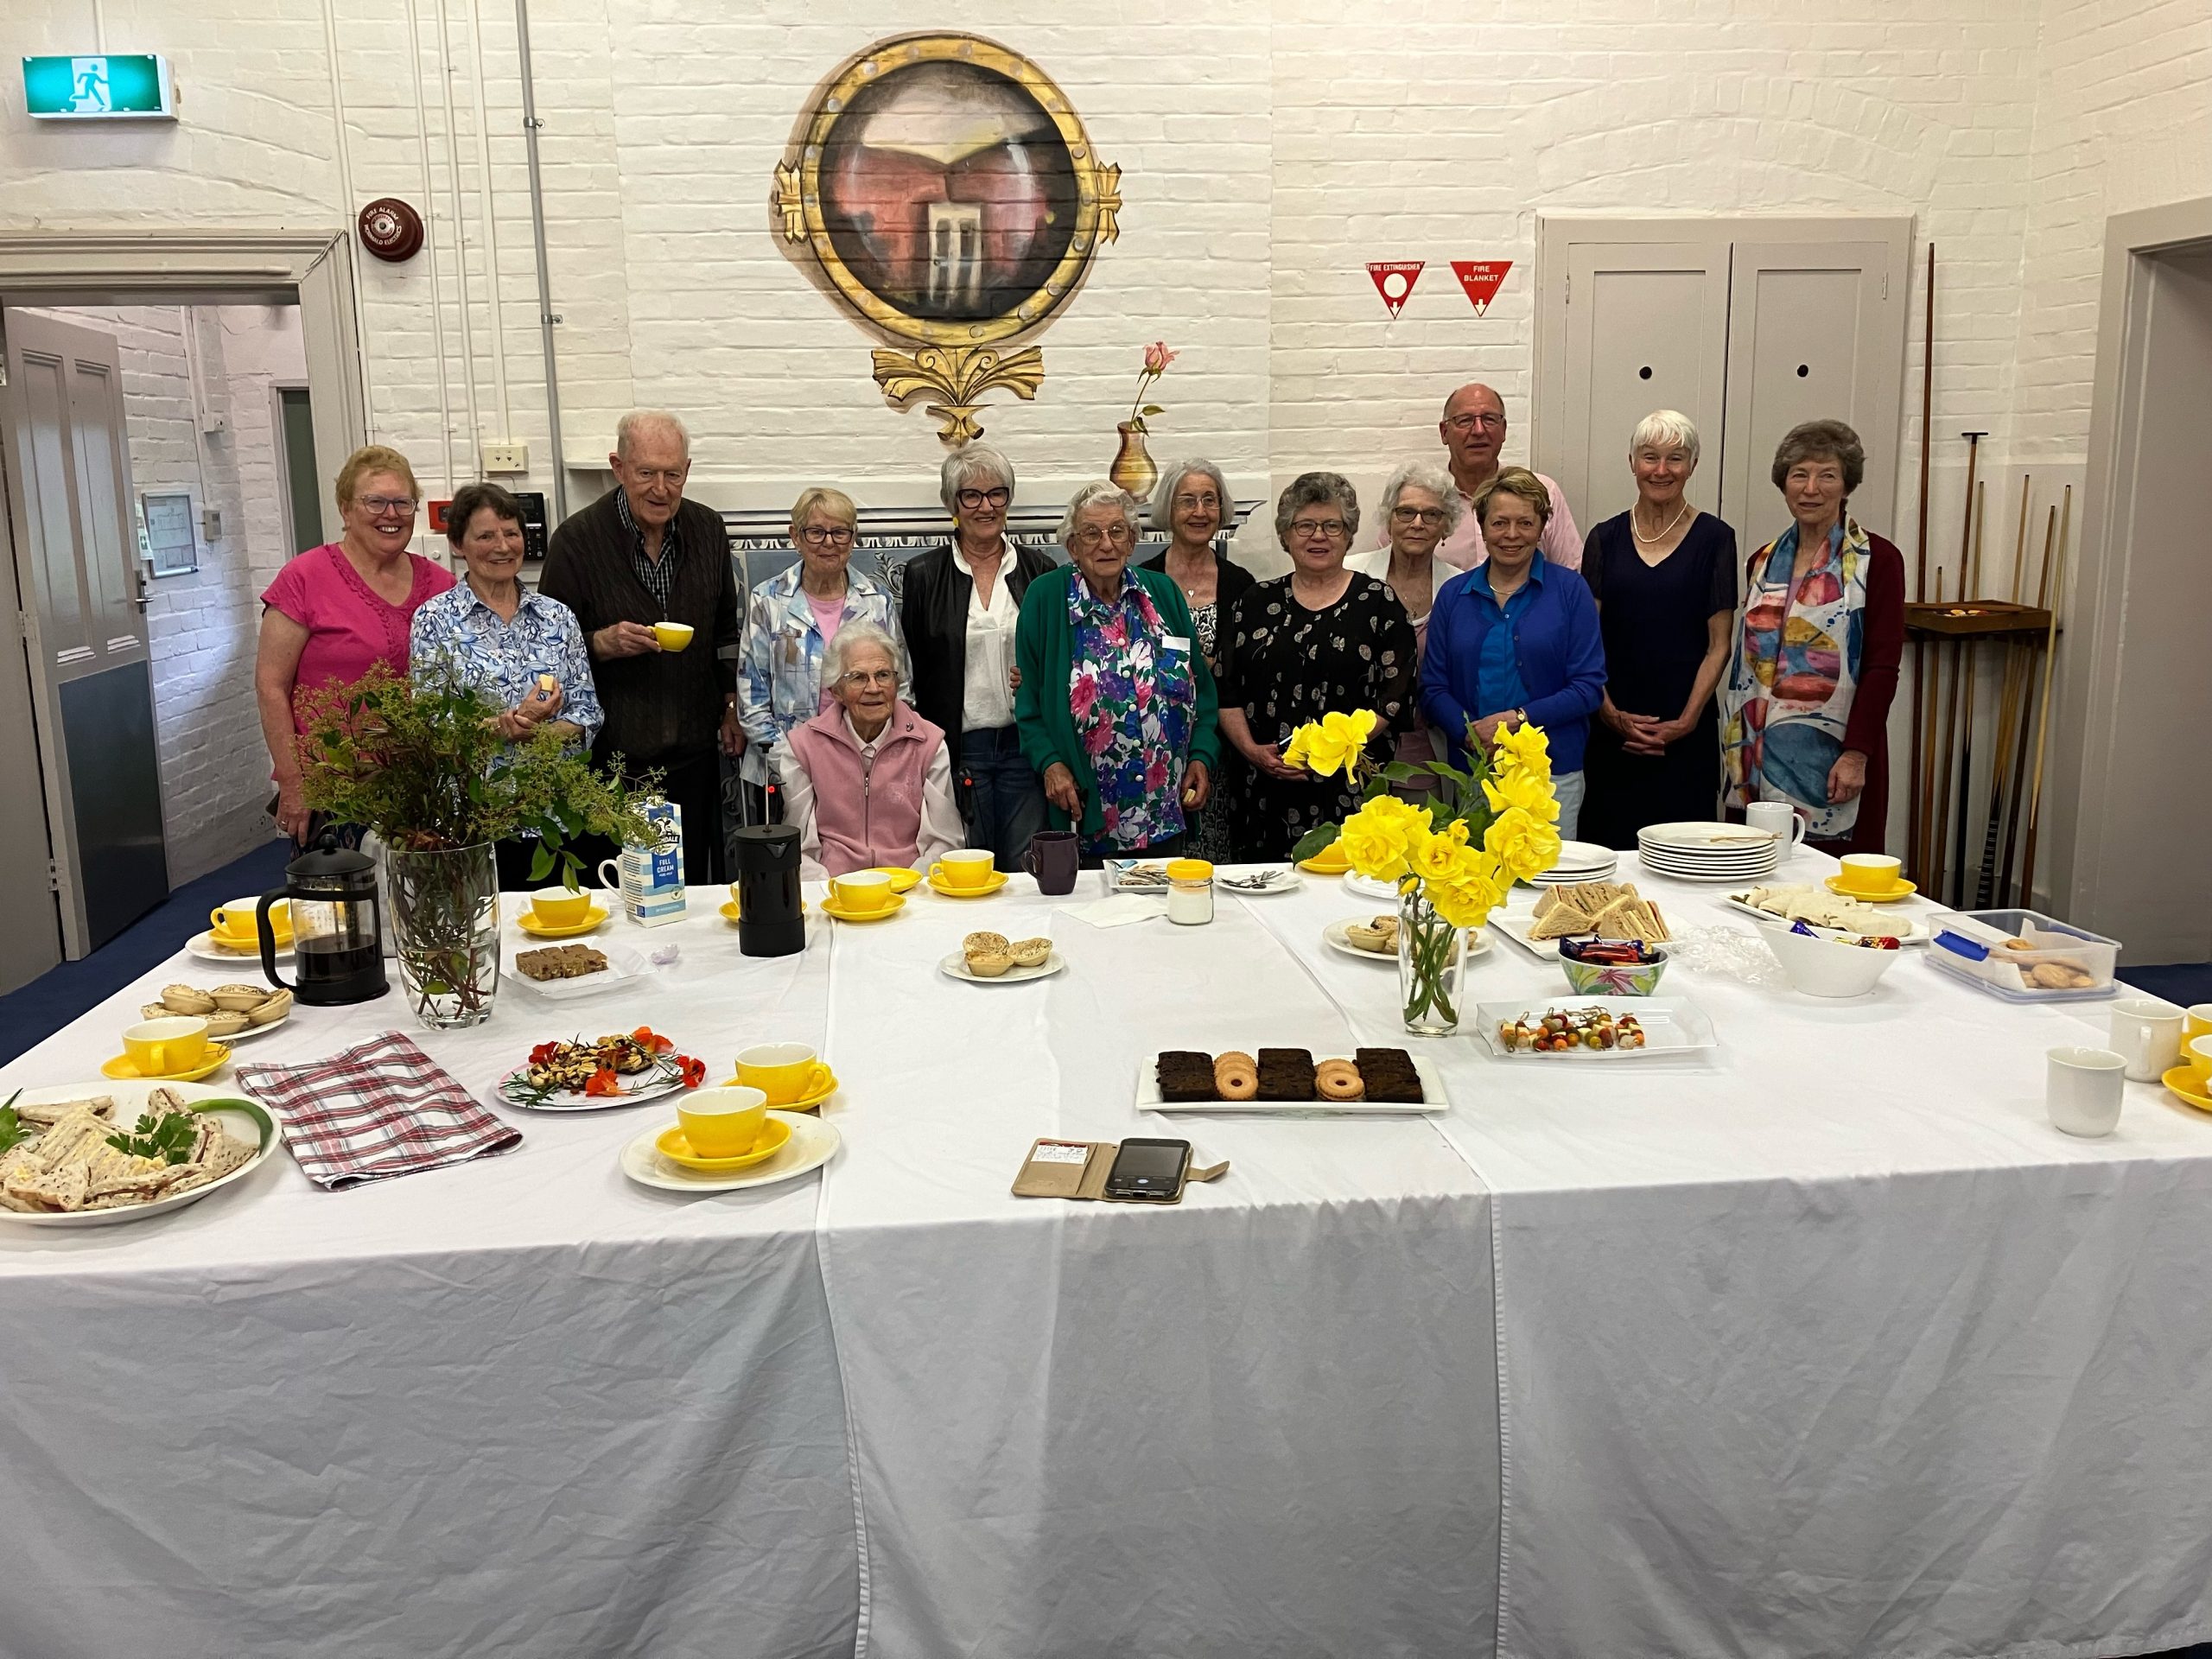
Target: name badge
(1174, 642)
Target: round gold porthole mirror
(942, 187)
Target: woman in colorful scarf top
(1116, 705)
(1806, 704)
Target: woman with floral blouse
(1116, 705)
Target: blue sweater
(1561, 657)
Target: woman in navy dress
(1664, 577)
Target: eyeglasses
(1485, 418)
(385, 506)
(649, 476)
(833, 535)
(972, 500)
(1191, 503)
(860, 676)
(1307, 529)
(1417, 515)
(1092, 536)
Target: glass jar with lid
(1190, 891)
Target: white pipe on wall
(346, 206)
(486, 204)
(430, 248)
(475, 452)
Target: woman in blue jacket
(1515, 641)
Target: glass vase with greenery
(423, 765)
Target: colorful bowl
(1612, 979)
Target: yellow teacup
(862, 892)
(235, 921)
(164, 1048)
(1870, 872)
(2197, 1053)
(722, 1122)
(559, 907)
(2197, 1021)
(673, 636)
(967, 868)
(783, 1072)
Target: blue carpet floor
(39, 1009)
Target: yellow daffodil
(1523, 842)
(1516, 786)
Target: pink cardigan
(350, 626)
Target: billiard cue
(1918, 808)
(2017, 783)
(1942, 818)
(2043, 721)
(2007, 712)
(1969, 655)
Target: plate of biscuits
(234, 1012)
(1280, 1080)
(1376, 939)
(988, 958)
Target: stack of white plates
(1579, 860)
(1709, 852)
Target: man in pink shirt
(1473, 431)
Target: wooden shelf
(1976, 618)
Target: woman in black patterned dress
(1320, 639)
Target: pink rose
(1157, 357)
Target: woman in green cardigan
(1116, 704)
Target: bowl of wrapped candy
(1612, 967)
(1823, 962)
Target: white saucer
(813, 1143)
(956, 967)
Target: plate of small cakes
(988, 959)
(1290, 1080)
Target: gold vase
(1132, 469)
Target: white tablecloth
(1826, 1342)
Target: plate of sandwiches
(1369, 1080)
(63, 1167)
(1592, 910)
(1817, 907)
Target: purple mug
(1053, 858)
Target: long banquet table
(1823, 1342)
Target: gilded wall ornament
(942, 188)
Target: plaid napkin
(374, 1111)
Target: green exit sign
(104, 86)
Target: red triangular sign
(1395, 280)
(1482, 278)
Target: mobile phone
(1151, 1171)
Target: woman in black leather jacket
(957, 613)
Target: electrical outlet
(506, 457)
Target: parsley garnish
(12, 1132)
(167, 1139)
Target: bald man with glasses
(1473, 431)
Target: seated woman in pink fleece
(868, 781)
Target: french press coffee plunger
(337, 950)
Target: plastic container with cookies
(2024, 955)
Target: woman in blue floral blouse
(490, 632)
(1116, 705)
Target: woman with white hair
(867, 781)
(957, 614)
(1193, 505)
(1116, 702)
(1664, 576)
(1422, 507)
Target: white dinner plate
(1432, 1088)
(1670, 1028)
(202, 945)
(1263, 880)
(1368, 887)
(813, 1143)
(1572, 878)
(1707, 873)
(243, 1117)
(956, 967)
(1338, 937)
(1585, 854)
(1693, 835)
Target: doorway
(58, 895)
(1746, 326)
(2137, 688)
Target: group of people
(999, 692)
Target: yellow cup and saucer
(966, 873)
(174, 1050)
(1872, 878)
(862, 896)
(729, 911)
(724, 1128)
(560, 913)
(790, 1075)
(1330, 861)
(235, 926)
(673, 636)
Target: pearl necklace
(1662, 535)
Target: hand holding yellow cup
(164, 1048)
(673, 636)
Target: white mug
(1778, 817)
(2082, 1089)
(2146, 1033)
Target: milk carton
(651, 876)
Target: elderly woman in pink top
(868, 780)
(337, 609)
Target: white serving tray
(623, 967)
(1432, 1086)
(1897, 925)
(1670, 1028)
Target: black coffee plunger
(769, 922)
(337, 946)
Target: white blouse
(987, 698)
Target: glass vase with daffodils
(1452, 857)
